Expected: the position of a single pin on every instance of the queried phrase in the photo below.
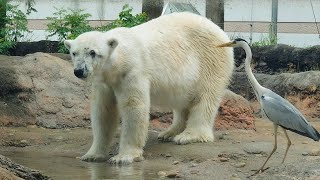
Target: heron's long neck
(254, 83)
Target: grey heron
(278, 110)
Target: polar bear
(170, 61)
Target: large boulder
(41, 89)
(235, 112)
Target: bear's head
(88, 51)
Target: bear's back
(176, 24)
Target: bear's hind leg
(200, 122)
(104, 121)
(178, 125)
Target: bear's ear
(67, 44)
(112, 43)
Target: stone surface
(7, 175)
(240, 165)
(41, 89)
(11, 170)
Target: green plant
(68, 24)
(265, 41)
(15, 26)
(125, 19)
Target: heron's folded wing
(283, 113)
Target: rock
(257, 148)
(14, 171)
(7, 175)
(40, 89)
(223, 159)
(314, 152)
(194, 171)
(194, 164)
(168, 155)
(234, 112)
(171, 174)
(175, 162)
(162, 173)
(23, 141)
(240, 165)
(305, 153)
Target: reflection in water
(66, 166)
(104, 171)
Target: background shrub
(69, 24)
(15, 25)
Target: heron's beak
(229, 44)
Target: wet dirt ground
(234, 155)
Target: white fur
(170, 61)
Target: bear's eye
(92, 53)
(74, 54)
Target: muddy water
(68, 167)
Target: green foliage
(125, 19)
(69, 24)
(265, 41)
(14, 29)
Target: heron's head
(235, 43)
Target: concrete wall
(296, 24)
(101, 11)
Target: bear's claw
(124, 159)
(187, 138)
(93, 158)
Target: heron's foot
(259, 171)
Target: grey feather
(283, 113)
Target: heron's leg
(288, 145)
(273, 150)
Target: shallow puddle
(68, 167)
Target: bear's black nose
(78, 73)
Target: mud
(235, 154)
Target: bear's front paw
(189, 137)
(94, 158)
(123, 159)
